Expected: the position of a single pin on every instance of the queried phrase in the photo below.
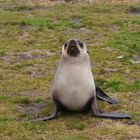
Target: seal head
(73, 47)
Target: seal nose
(73, 49)
(72, 43)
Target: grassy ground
(31, 37)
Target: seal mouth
(73, 49)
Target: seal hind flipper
(102, 96)
(114, 115)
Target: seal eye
(65, 45)
(81, 44)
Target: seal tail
(102, 96)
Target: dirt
(26, 28)
(32, 8)
(37, 70)
(32, 94)
(129, 122)
(30, 55)
(114, 28)
(99, 36)
(7, 6)
(81, 30)
(32, 107)
(76, 20)
(31, 110)
(133, 10)
(14, 7)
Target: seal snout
(72, 43)
(73, 49)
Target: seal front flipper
(102, 96)
(114, 115)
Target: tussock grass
(112, 35)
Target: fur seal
(74, 88)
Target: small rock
(135, 62)
(120, 56)
(136, 59)
(108, 48)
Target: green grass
(113, 40)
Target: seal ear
(60, 52)
(88, 52)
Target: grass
(112, 36)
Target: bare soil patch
(81, 30)
(30, 55)
(114, 28)
(7, 6)
(133, 10)
(37, 70)
(132, 123)
(31, 108)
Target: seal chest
(75, 86)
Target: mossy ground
(31, 37)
